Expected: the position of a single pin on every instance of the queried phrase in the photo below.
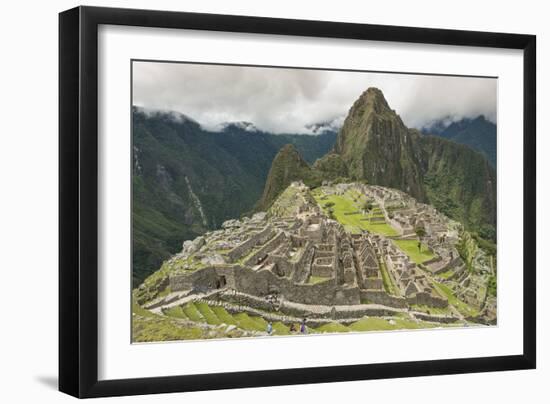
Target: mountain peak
(373, 98)
(289, 148)
(287, 166)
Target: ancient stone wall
(246, 300)
(435, 318)
(270, 246)
(372, 283)
(188, 281)
(283, 265)
(262, 282)
(381, 297)
(325, 271)
(203, 279)
(427, 299)
(246, 246)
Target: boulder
(189, 247)
(230, 223)
(259, 217)
(213, 259)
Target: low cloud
(292, 100)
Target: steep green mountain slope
(478, 133)
(461, 183)
(288, 166)
(187, 180)
(375, 145)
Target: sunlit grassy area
(317, 279)
(192, 313)
(371, 324)
(463, 308)
(246, 322)
(376, 324)
(148, 326)
(176, 312)
(446, 274)
(386, 280)
(410, 247)
(207, 313)
(349, 214)
(223, 315)
(431, 310)
(280, 329)
(331, 327)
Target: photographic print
(280, 201)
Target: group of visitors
(293, 328)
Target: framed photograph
(251, 201)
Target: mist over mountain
(478, 133)
(187, 180)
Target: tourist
(269, 328)
(292, 328)
(303, 328)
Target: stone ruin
(306, 264)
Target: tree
(368, 206)
(421, 233)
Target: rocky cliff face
(376, 146)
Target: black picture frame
(78, 200)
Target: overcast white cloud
(287, 100)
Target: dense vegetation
(478, 133)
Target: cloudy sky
(288, 100)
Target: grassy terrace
(317, 279)
(410, 247)
(215, 315)
(149, 327)
(348, 212)
(446, 275)
(389, 286)
(463, 308)
(431, 310)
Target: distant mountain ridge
(478, 133)
(187, 180)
